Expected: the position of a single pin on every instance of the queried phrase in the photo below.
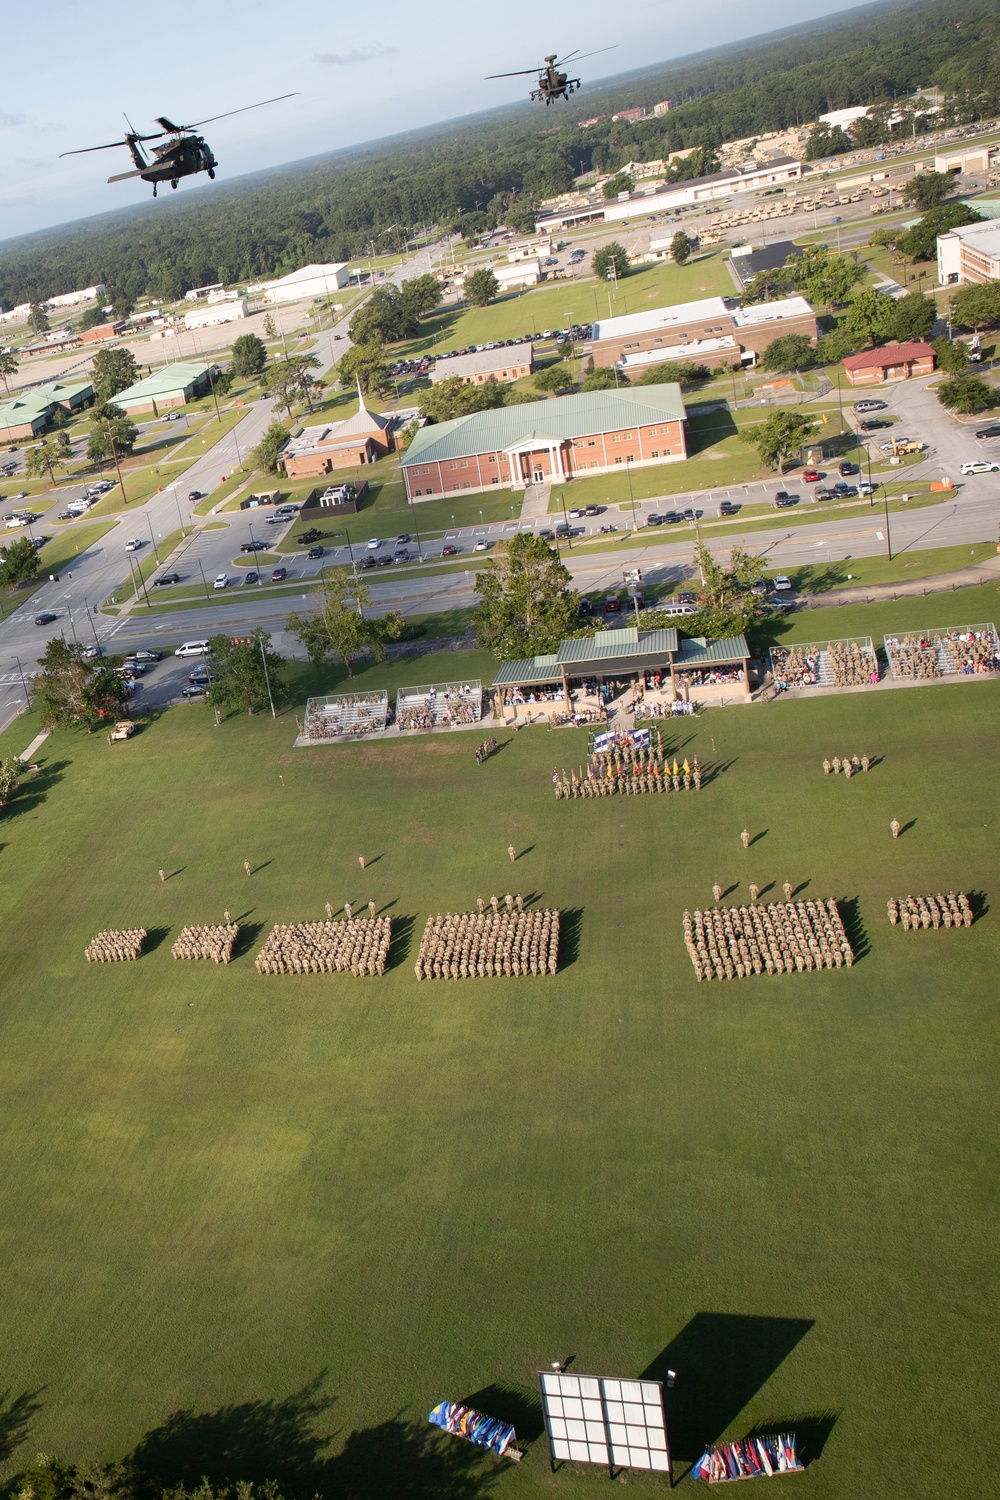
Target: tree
(727, 605)
(967, 394)
(611, 262)
(290, 379)
(113, 370)
(777, 282)
(38, 320)
(8, 367)
(43, 458)
(825, 277)
(455, 398)
(385, 318)
(337, 631)
(554, 378)
(831, 347)
(365, 362)
(243, 672)
(18, 562)
(621, 182)
(249, 355)
(423, 293)
(682, 372)
(952, 357)
(265, 455)
(927, 189)
(826, 142)
(73, 693)
(270, 328)
(792, 351)
(529, 604)
(870, 316)
(481, 287)
(779, 437)
(977, 306)
(680, 248)
(920, 242)
(600, 379)
(914, 317)
(110, 437)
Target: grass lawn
(230, 1202)
(859, 572)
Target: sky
(71, 70)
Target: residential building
(501, 363)
(103, 332)
(552, 440)
(593, 209)
(893, 362)
(29, 412)
(214, 313)
(309, 281)
(690, 664)
(325, 446)
(173, 385)
(663, 108)
(970, 253)
(630, 116)
(713, 328)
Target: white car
(374, 543)
(193, 648)
(575, 515)
(482, 545)
(15, 522)
(976, 466)
(782, 584)
(221, 581)
(894, 442)
(134, 544)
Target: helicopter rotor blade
(83, 150)
(521, 73)
(212, 118)
(579, 56)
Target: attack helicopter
(552, 82)
(183, 153)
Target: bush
(967, 394)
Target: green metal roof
(565, 417)
(30, 405)
(528, 670)
(699, 652)
(169, 381)
(617, 644)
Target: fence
(439, 705)
(345, 715)
(959, 650)
(849, 662)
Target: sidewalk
(916, 588)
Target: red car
(449, 551)
(810, 476)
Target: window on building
(627, 437)
(453, 466)
(591, 442)
(496, 479)
(618, 459)
(465, 463)
(655, 453)
(466, 484)
(417, 492)
(425, 471)
(594, 464)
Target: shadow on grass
(277, 1440)
(721, 1361)
(717, 768)
(811, 1432)
(570, 926)
(154, 937)
(510, 1403)
(819, 578)
(31, 794)
(977, 900)
(16, 1414)
(399, 947)
(249, 934)
(857, 936)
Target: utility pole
(114, 454)
(263, 657)
(888, 536)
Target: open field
(230, 1202)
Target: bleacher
(439, 705)
(345, 716)
(959, 650)
(849, 662)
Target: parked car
(876, 424)
(653, 520)
(314, 552)
(195, 495)
(782, 500)
(993, 431)
(374, 543)
(221, 581)
(576, 514)
(252, 577)
(779, 496)
(400, 555)
(811, 476)
(385, 561)
(194, 690)
(897, 442)
(825, 494)
(727, 508)
(91, 652)
(279, 575)
(193, 648)
(593, 510)
(402, 539)
(253, 546)
(166, 578)
(586, 608)
(612, 605)
(482, 545)
(146, 655)
(848, 468)
(45, 618)
(977, 466)
(758, 588)
(134, 544)
(782, 584)
(870, 404)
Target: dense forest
(498, 165)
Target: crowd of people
(485, 750)
(358, 946)
(216, 943)
(848, 765)
(913, 656)
(488, 944)
(579, 717)
(349, 714)
(726, 942)
(712, 676)
(439, 709)
(931, 911)
(852, 665)
(971, 651)
(115, 947)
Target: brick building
(514, 446)
(361, 439)
(893, 362)
(486, 364)
(102, 332)
(714, 330)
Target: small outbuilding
(892, 362)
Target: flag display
(748, 1458)
(485, 1432)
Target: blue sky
(69, 70)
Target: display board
(593, 1420)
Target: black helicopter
(553, 84)
(183, 155)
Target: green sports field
(257, 1227)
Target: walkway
(535, 506)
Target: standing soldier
(329, 912)
(163, 876)
(717, 892)
(229, 920)
(895, 828)
(371, 910)
(246, 867)
(745, 838)
(754, 891)
(512, 852)
(787, 888)
(361, 860)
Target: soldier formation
(627, 769)
(216, 943)
(849, 765)
(852, 665)
(354, 714)
(115, 947)
(358, 946)
(481, 944)
(730, 942)
(931, 911)
(485, 750)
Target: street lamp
(628, 474)
(260, 580)
(136, 584)
(888, 536)
(569, 532)
(152, 538)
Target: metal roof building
(543, 440)
(480, 365)
(628, 653)
(174, 385)
(308, 281)
(27, 414)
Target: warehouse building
(660, 198)
(29, 413)
(216, 312)
(480, 365)
(103, 332)
(714, 328)
(75, 299)
(552, 440)
(310, 281)
(174, 385)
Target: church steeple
(361, 400)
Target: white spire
(361, 400)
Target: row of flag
(485, 1432)
(748, 1458)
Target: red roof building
(893, 362)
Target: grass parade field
(243, 1214)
